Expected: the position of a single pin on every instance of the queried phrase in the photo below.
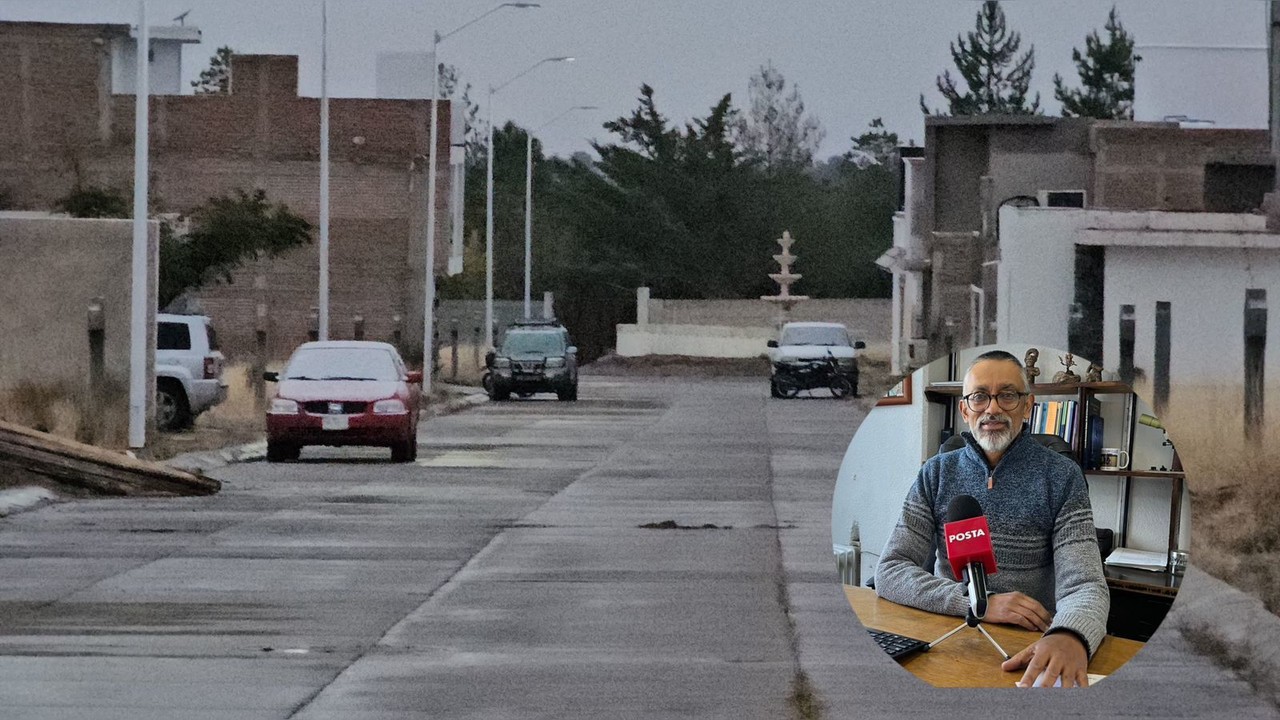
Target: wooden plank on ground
(93, 468)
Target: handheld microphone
(969, 550)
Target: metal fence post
(97, 347)
(453, 350)
(256, 382)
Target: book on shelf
(1056, 417)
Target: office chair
(1053, 442)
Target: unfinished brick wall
(67, 127)
(1160, 166)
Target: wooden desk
(966, 659)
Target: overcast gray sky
(853, 60)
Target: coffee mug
(1113, 459)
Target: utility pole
(1273, 75)
(1271, 202)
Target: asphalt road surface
(507, 574)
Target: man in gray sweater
(1050, 572)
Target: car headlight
(394, 406)
(281, 406)
(502, 362)
(555, 362)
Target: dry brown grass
(237, 420)
(1235, 528)
(70, 412)
(470, 365)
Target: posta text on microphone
(969, 541)
(969, 550)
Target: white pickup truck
(188, 370)
(801, 343)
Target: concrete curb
(1231, 626)
(203, 461)
(459, 397)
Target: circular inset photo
(1011, 516)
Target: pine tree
(215, 79)
(997, 79)
(875, 146)
(1106, 76)
(774, 131)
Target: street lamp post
(138, 329)
(488, 228)
(323, 326)
(429, 299)
(528, 205)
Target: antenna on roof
(181, 19)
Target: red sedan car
(344, 393)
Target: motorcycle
(789, 378)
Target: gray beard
(994, 441)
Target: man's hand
(1014, 608)
(1060, 655)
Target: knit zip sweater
(1041, 527)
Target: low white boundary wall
(694, 340)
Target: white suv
(188, 369)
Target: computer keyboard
(896, 645)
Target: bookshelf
(1139, 597)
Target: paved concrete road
(506, 575)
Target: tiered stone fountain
(784, 300)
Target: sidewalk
(1232, 627)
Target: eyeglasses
(1006, 399)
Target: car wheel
(486, 382)
(500, 395)
(568, 394)
(280, 452)
(405, 452)
(783, 386)
(841, 387)
(172, 410)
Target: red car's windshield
(342, 364)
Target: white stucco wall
(1206, 289)
(1035, 279)
(694, 340)
(165, 75)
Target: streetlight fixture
(429, 300)
(488, 225)
(528, 204)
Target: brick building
(66, 125)
(946, 255)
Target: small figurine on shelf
(1029, 360)
(1094, 373)
(1066, 376)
